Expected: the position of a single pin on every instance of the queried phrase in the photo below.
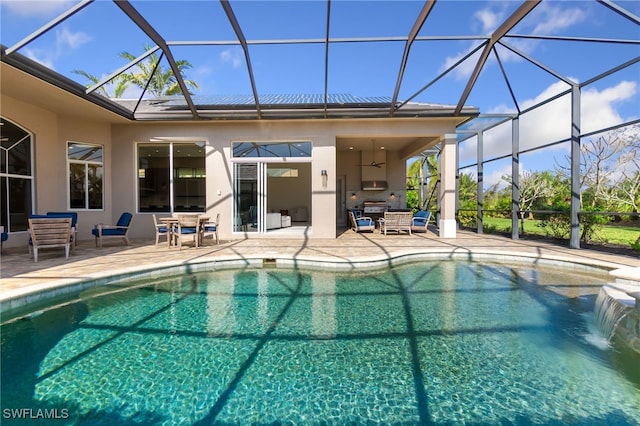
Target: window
(16, 176)
(85, 176)
(171, 177)
(284, 172)
(272, 149)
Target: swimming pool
(428, 342)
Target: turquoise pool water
(423, 343)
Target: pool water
(422, 343)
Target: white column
(448, 171)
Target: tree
(119, 84)
(161, 80)
(609, 166)
(534, 187)
(418, 177)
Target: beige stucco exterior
(57, 117)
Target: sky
(93, 39)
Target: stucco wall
(218, 138)
(52, 131)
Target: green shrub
(558, 225)
(489, 229)
(468, 219)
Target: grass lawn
(611, 234)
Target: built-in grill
(374, 209)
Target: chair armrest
(102, 226)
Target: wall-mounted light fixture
(325, 177)
(392, 195)
(353, 196)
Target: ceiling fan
(374, 163)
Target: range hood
(374, 185)
(374, 171)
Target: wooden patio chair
(49, 233)
(119, 230)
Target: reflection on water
(431, 342)
(323, 306)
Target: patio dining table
(172, 224)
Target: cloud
(488, 19)
(233, 56)
(598, 106)
(546, 18)
(552, 18)
(67, 39)
(464, 69)
(37, 8)
(42, 57)
(552, 121)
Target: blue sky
(92, 40)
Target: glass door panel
(246, 198)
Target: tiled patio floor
(21, 275)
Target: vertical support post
(449, 171)
(515, 177)
(480, 189)
(457, 208)
(574, 239)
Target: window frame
(29, 180)
(173, 174)
(87, 164)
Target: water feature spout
(611, 306)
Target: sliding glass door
(287, 166)
(249, 197)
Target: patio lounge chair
(120, 229)
(396, 221)
(74, 224)
(420, 221)
(46, 232)
(363, 223)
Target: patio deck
(22, 276)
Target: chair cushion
(210, 228)
(188, 230)
(109, 231)
(364, 222)
(125, 219)
(163, 229)
(72, 215)
(38, 216)
(5, 236)
(420, 221)
(422, 213)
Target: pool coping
(21, 298)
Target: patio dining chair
(211, 228)
(187, 227)
(5, 236)
(161, 229)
